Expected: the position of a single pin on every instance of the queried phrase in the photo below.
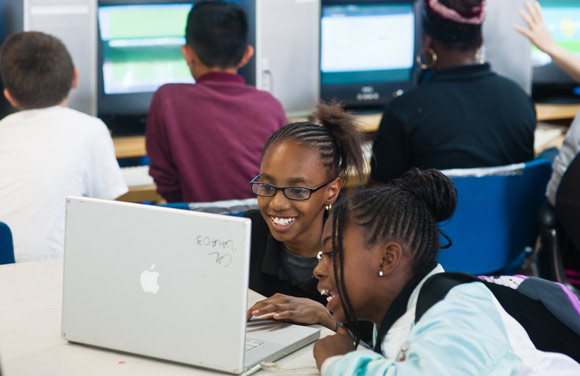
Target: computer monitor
(550, 83)
(11, 21)
(367, 50)
(139, 50)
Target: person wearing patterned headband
(462, 115)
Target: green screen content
(563, 20)
(141, 47)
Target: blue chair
(495, 221)
(6, 245)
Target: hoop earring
(432, 60)
(480, 56)
(328, 207)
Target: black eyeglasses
(292, 193)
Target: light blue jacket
(467, 333)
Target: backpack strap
(436, 288)
(546, 331)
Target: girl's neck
(307, 244)
(391, 288)
(448, 58)
(304, 249)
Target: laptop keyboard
(252, 343)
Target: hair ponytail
(433, 188)
(346, 133)
(337, 139)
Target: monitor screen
(367, 50)
(139, 50)
(142, 47)
(562, 17)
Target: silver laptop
(166, 283)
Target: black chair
(568, 203)
(6, 245)
(559, 240)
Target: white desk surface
(30, 342)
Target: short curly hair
(36, 69)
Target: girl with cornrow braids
(378, 249)
(302, 170)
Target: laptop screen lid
(159, 282)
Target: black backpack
(548, 311)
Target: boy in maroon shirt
(205, 139)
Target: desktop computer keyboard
(545, 133)
(137, 176)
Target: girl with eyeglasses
(302, 169)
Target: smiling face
(371, 294)
(361, 267)
(297, 224)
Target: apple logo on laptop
(149, 280)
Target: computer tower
(10, 22)
(285, 35)
(508, 52)
(73, 22)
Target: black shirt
(463, 117)
(267, 274)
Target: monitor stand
(125, 125)
(559, 100)
(557, 95)
(365, 110)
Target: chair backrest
(227, 207)
(6, 245)
(495, 218)
(568, 202)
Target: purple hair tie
(476, 15)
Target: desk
(30, 343)
(141, 193)
(547, 112)
(129, 146)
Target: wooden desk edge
(129, 146)
(545, 111)
(140, 194)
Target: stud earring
(328, 207)
(380, 273)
